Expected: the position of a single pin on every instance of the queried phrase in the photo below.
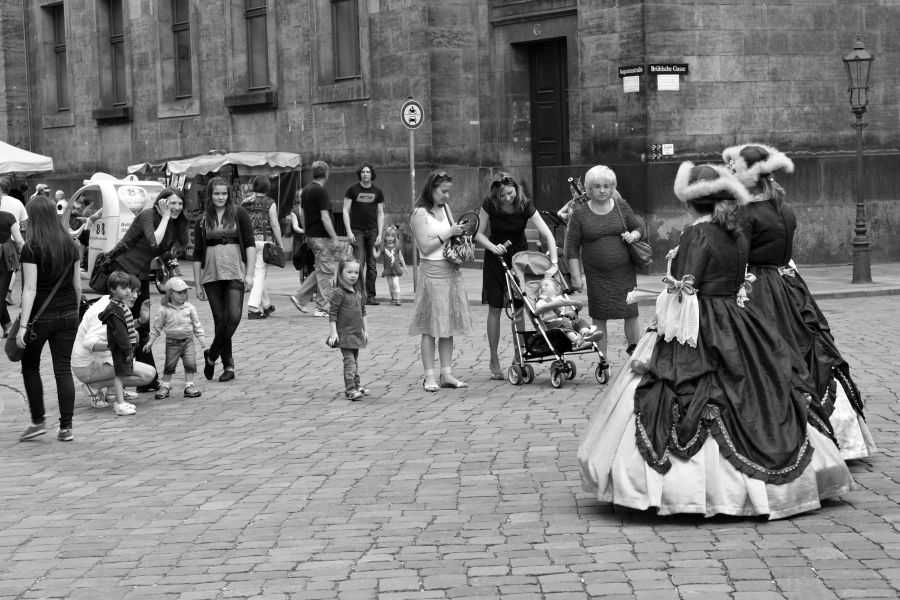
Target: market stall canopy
(16, 160)
(247, 163)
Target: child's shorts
(183, 349)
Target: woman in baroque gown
(711, 415)
(781, 294)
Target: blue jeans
(59, 329)
(364, 248)
(226, 301)
(183, 349)
(351, 369)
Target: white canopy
(248, 163)
(16, 160)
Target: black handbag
(13, 352)
(640, 252)
(104, 264)
(273, 255)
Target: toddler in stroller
(558, 331)
(558, 312)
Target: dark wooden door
(549, 122)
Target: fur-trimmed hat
(751, 161)
(708, 182)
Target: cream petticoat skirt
(613, 469)
(850, 429)
(441, 308)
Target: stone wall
(768, 72)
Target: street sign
(412, 114)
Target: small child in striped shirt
(121, 333)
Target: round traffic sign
(412, 114)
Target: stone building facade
(528, 86)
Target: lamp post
(858, 63)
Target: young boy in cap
(178, 319)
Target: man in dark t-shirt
(364, 220)
(315, 218)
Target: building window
(181, 37)
(345, 35)
(117, 52)
(256, 15)
(57, 17)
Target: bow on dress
(683, 286)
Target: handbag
(460, 249)
(640, 252)
(103, 266)
(273, 255)
(13, 352)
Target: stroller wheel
(556, 376)
(570, 370)
(602, 373)
(514, 375)
(529, 373)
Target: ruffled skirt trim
(613, 468)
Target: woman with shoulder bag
(154, 231)
(264, 215)
(596, 241)
(51, 286)
(441, 308)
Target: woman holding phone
(154, 231)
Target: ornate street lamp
(858, 63)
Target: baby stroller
(523, 279)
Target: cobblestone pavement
(274, 486)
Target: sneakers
(371, 301)
(253, 315)
(162, 393)
(32, 432)
(124, 409)
(363, 391)
(321, 313)
(65, 435)
(191, 392)
(150, 387)
(396, 302)
(354, 395)
(297, 304)
(126, 394)
(270, 310)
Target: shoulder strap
(447, 212)
(50, 296)
(621, 216)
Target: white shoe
(127, 394)
(321, 313)
(124, 409)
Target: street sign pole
(412, 196)
(411, 115)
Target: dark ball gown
(711, 415)
(780, 293)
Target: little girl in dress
(394, 264)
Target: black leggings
(226, 301)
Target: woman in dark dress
(781, 294)
(154, 231)
(11, 243)
(503, 218)
(598, 233)
(718, 422)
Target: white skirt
(613, 469)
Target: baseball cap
(176, 284)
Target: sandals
(457, 385)
(429, 388)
